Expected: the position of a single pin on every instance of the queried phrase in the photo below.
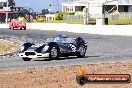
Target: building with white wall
(125, 5)
(78, 5)
(50, 17)
(74, 6)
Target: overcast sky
(38, 5)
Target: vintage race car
(54, 48)
(17, 25)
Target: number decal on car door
(73, 47)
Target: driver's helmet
(20, 20)
(59, 38)
(13, 19)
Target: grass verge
(67, 21)
(7, 47)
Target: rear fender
(79, 41)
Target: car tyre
(81, 51)
(81, 80)
(25, 28)
(26, 59)
(54, 53)
(20, 28)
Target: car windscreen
(50, 40)
(62, 40)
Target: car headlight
(46, 48)
(22, 48)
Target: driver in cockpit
(59, 38)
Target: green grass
(120, 22)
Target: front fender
(26, 46)
(53, 44)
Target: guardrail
(3, 25)
(80, 28)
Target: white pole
(88, 17)
(7, 15)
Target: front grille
(30, 53)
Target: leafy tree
(45, 11)
(11, 3)
(4, 4)
(60, 15)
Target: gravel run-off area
(61, 77)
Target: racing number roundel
(73, 47)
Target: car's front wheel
(25, 28)
(54, 53)
(20, 28)
(26, 59)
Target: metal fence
(78, 18)
(120, 16)
(72, 17)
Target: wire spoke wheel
(54, 52)
(82, 51)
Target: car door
(67, 48)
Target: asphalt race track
(101, 49)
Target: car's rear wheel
(25, 28)
(81, 51)
(26, 59)
(54, 53)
